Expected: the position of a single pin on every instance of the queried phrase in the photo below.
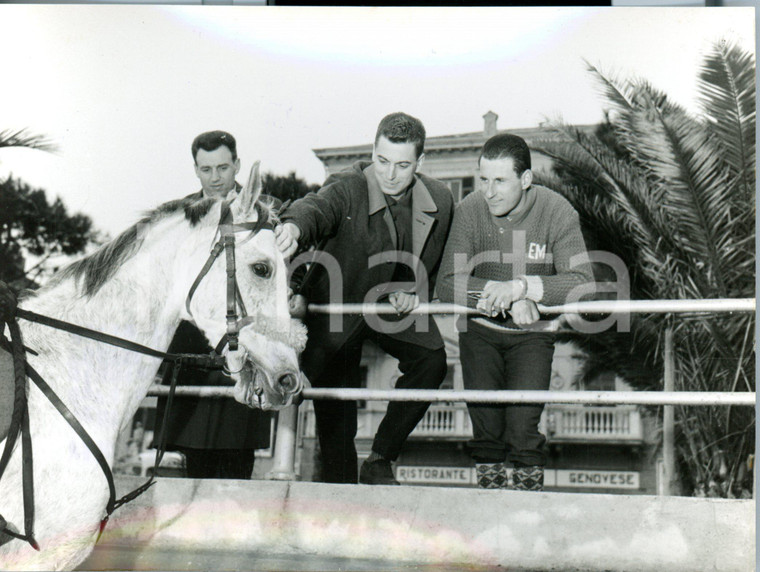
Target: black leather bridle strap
(19, 425)
(232, 292)
(215, 252)
(95, 335)
(114, 504)
(226, 243)
(27, 478)
(20, 419)
(66, 413)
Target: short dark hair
(402, 128)
(212, 140)
(506, 145)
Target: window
(456, 187)
(468, 185)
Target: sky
(123, 90)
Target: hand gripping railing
(286, 430)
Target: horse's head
(265, 363)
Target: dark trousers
(421, 368)
(218, 463)
(493, 360)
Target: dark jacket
(208, 423)
(349, 220)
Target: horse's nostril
(288, 383)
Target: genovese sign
(597, 479)
(565, 478)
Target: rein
(9, 312)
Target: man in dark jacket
(380, 228)
(217, 436)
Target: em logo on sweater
(536, 251)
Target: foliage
(29, 225)
(286, 188)
(672, 195)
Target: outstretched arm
(313, 217)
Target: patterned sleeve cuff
(535, 289)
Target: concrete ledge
(408, 524)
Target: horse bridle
(20, 422)
(226, 231)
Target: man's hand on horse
(404, 302)
(287, 235)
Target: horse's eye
(262, 270)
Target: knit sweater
(543, 243)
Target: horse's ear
(243, 205)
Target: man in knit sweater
(512, 244)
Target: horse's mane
(97, 268)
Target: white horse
(136, 288)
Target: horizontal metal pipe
(471, 396)
(591, 307)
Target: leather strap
(211, 361)
(226, 243)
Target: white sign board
(438, 475)
(597, 479)
(568, 478)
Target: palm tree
(22, 138)
(672, 194)
(30, 225)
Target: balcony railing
(612, 424)
(560, 424)
(444, 421)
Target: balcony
(560, 423)
(444, 421)
(585, 423)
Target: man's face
(217, 171)
(395, 165)
(502, 188)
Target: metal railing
(678, 306)
(500, 396)
(601, 421)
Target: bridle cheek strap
(226, 243)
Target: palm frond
(682, 157)
(22, 138)
(727, 88)
(618, 93)
(621, 188)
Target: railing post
(283, 468)
(668, 417)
